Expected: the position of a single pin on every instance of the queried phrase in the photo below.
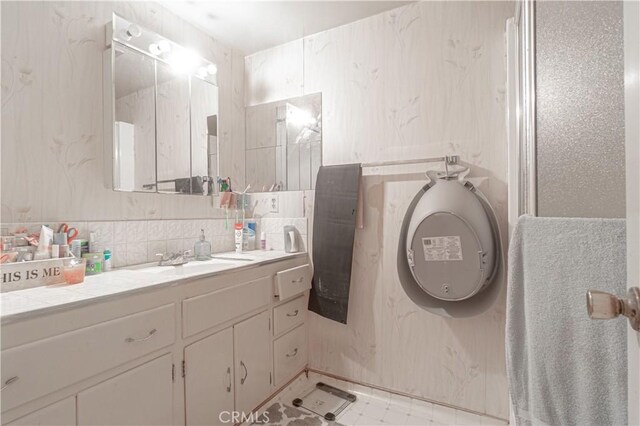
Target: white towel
(563, 368)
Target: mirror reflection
(284, 144)
(134, 127)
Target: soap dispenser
(202, 248)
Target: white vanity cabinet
(252, 346)
(61, 413)
(140, 396)
(208, 384)
(179, 354)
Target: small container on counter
(8, 242)
(73, 270)
(94, 263)
(79, 247)
(107, 260)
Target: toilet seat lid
(445, 257)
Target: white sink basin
(193, 267)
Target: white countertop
(21, 304)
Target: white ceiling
(251, 26)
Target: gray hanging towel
(334, 228)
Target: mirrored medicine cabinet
(161, 107)
(283, 146)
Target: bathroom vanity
(156, 345)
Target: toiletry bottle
(238, 235)
(202, 248)
(263, 240)
(107, 260)
(251, 234)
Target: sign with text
(23, 275)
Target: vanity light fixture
(154, 49)
(132, 31)
(157, 49)
(184, 61)
(202, 72)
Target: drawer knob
(9, 382)
(142, 339)
(299, 280)
(294, 314)
(292, 353)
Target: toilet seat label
(437, 249)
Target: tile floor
(376, 407)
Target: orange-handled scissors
(72, 233)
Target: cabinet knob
(602, 305)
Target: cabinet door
(62, 413)
(209, 378)
(141, 396)
(253, 361)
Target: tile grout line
(407, 395)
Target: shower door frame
(521, 111)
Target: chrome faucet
(174, 259)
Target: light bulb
(133, 31)
(212, 69)
(155, 49)
(183, 61)
(164, 46)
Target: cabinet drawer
(289, 315)
(42, 367)
(292, 282)
(211, 309)
(290, 354)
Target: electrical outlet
(273, 204)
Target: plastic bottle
(107, 260)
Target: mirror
(161, 129)
(284, 144)
(134, 127)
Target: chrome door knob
(601, 305)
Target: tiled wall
(137, 241)
(423, 80)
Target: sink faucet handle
(186, 253)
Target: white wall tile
(136, 253)
(156, 230)
(104, 231)
(155, 247)
(136, 231)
